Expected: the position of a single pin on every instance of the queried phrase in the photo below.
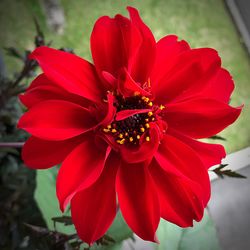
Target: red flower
(125, 127)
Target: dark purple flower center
(135, 127)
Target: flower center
(135, 127)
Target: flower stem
(11, 144)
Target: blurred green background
(203, 23)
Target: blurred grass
(203, 23)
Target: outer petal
(50, 92)
(179, 159)
(179, 201)
(40, 81)
(138, 200)
(69, 71)
(94, 209)
(146, 150)
(144, 60)
(220, 87)
(190, 73)
(56, 120)
(114, 42)
(41, 154)
(210, 154)
(80, 170)
(167, 49)
(200, 118)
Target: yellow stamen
(149, 83)
(131, 139)
(146, 99)
(106, 130)
(113, 130)
(121, 136)
(142, 130)
(138, 137)
(147, 138)
(109, 126)
(150, 104)
(146, 120)
(162, 107)
(136, 93)
(150, 113)
(147, 125)
(121, 141)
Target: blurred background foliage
(203, 23)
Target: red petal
(39, 81)
(69, 71)
(127, 86)
(43, 93)
(94, 209)
(200, 118)
(145, 151)
(138, 200)
(179, 159)
(144, 60)
(56, 120)
(114, 41)
(79, 170)
(220, 87)
(110, 80)
(190, 73)
(210, 154)
(41, 154)
(180, 203)
(167, 49)
(121, 115)
(109, 111)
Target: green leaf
(119, 230)
(117, 246)
(217, 137)
(46, 199)
(201, 236)
(45, 196)
(221, 172)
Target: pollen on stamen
(121, 141)
(142, 129)
(162, 107)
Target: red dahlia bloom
(125, 127)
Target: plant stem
(11, 144)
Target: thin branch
(11, 144)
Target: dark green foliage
(221, 172)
